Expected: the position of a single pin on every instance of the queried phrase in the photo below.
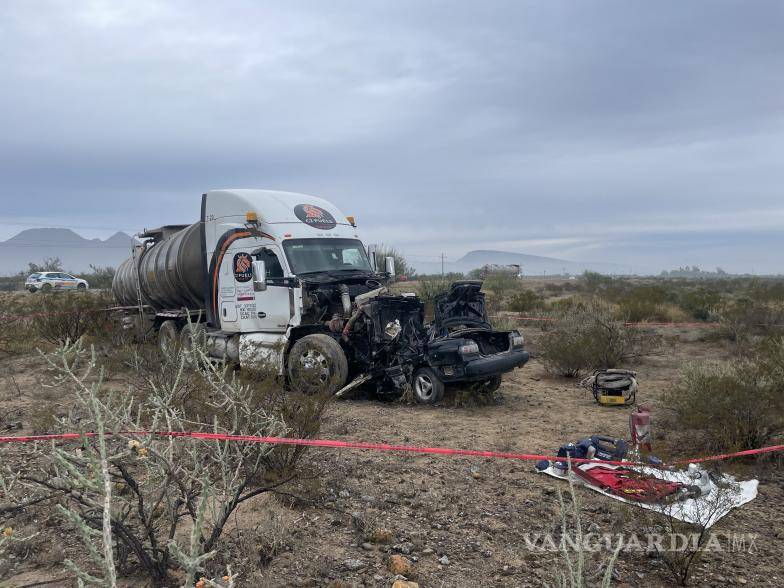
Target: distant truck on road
(266, 276)
(492, 269)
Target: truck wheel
(193, 336)
(428, 389)
(168, 336)
(316, 364)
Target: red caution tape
(371, 446)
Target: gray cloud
(647, 134)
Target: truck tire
(428, 389)
(193, 336)
(168, 337)
(316, 363)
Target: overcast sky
(649, 134)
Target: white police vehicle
(47, 281)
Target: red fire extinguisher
(640, 427)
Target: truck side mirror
(391, 266)
(371, 251)
(259, 276)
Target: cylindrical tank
(167, 275)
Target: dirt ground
(460, 521)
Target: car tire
(32, 289)
(317, 364)
(46, 288)
(81, 286)
(427, 387)
(168, 337)
(193, 336)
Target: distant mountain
(75, 252)
(530, 264)
(41, 236)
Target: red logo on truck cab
(314, 216)
(242, 267)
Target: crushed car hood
(463, 305)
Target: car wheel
(32, 289)
(81, 286)
(317, 363)
(489, 386)
(168, 337)
(192, 337)
(46, 288)
(428, 389)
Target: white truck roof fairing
(283, 215)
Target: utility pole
(442, 263)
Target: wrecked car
(459, 347)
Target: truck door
(274, 306)
(266, 311)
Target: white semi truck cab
(284, 280)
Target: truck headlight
(470, 348)
(516, 340)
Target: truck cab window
(274, 269)
(307, 256)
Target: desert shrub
(402, 268)
(699, 302)
(99, 277)
(560, 305)
(584, 337)
(554, 288)
(663, 522)
(504, 323)
(645, 303)
(147, 502)
(427, 290)
(67, 316)
(525, 300)
(733, 406)
(594, 282)
(16, 334)
(49, 264)
(11, 283)
(742, 317)
(571, 570)
(501, 285)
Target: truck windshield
(308, 256)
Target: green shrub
(501, 285)
(699, 302)
(65, 317)
(733, 406)
(594, 281)
(645, 303)
(525, 300)
(742, 317)
(99, 277)
(586, 337)
(427, 289)
(401, 265)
